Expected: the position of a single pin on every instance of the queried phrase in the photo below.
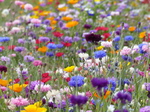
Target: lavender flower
(124, 110)
(21, 41)
(19, 49)
(28, 58)
(78, 100)
(145, 109)
(44, 39)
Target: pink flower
(19, 3)
(35, 21)
(125, 51)
(28, 7)
(3, 88)
(145, 48)
(37, 63)
(15, 30)
(106, 43)
(1, 0)
(19, 101)
(15, 22)
(8, 24)
(42, 88)
(88, 94)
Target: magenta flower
(19, 101)
(37, 63)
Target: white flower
(5, 12)
(83, 55)
(111, 108)
(54, 94)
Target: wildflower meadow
(74, 55)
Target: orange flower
(67, 18)
(17, 87)
(63, 9)
(44, 13)
(73, 1)
(71, 24)
(43, 49)
(51, 18)
(114, 52)
(132, 28)
(53, 22)
(105, 95)
(35, 8)
(4, 82)
(142, 34)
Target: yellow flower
(33, 108)
(4, 82)
(132, 28)
(100, 48)
(67, 18)
(17, 87)
(73, 1)
(43, 49)
(71, 24)
(69, 69)
(38, 104)
(142, 34)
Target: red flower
(38, 42)
(106, 35)
(17, 80)
(26, 82)
(148, 38)
(66, 44)
(44, 80)
(36, 47)
(146, 2)
(45, 75)
(67, 79)
(11, 47)
(2, 47)
(101, 28)
(58, 34)
(59, 54)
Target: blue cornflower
(127, 58)
(128, 38)
(50, 54)
(51, 46)
(99, 54)
(76, 81)
(59, 45)
(116, 39)
(4, 39)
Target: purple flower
(46, 22)
(76, 38)
(99, 83)
(68, 39)
(48, 29)
(93, 37)
(21, 41)
(32, 34)
(28, 58)
(147, 85)
(145, 109)
(87, 26)
(3, 68)
(124, 97)
(78, 100)
(19, 49)
(44, 39)
(124, 110)
(33, 84)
